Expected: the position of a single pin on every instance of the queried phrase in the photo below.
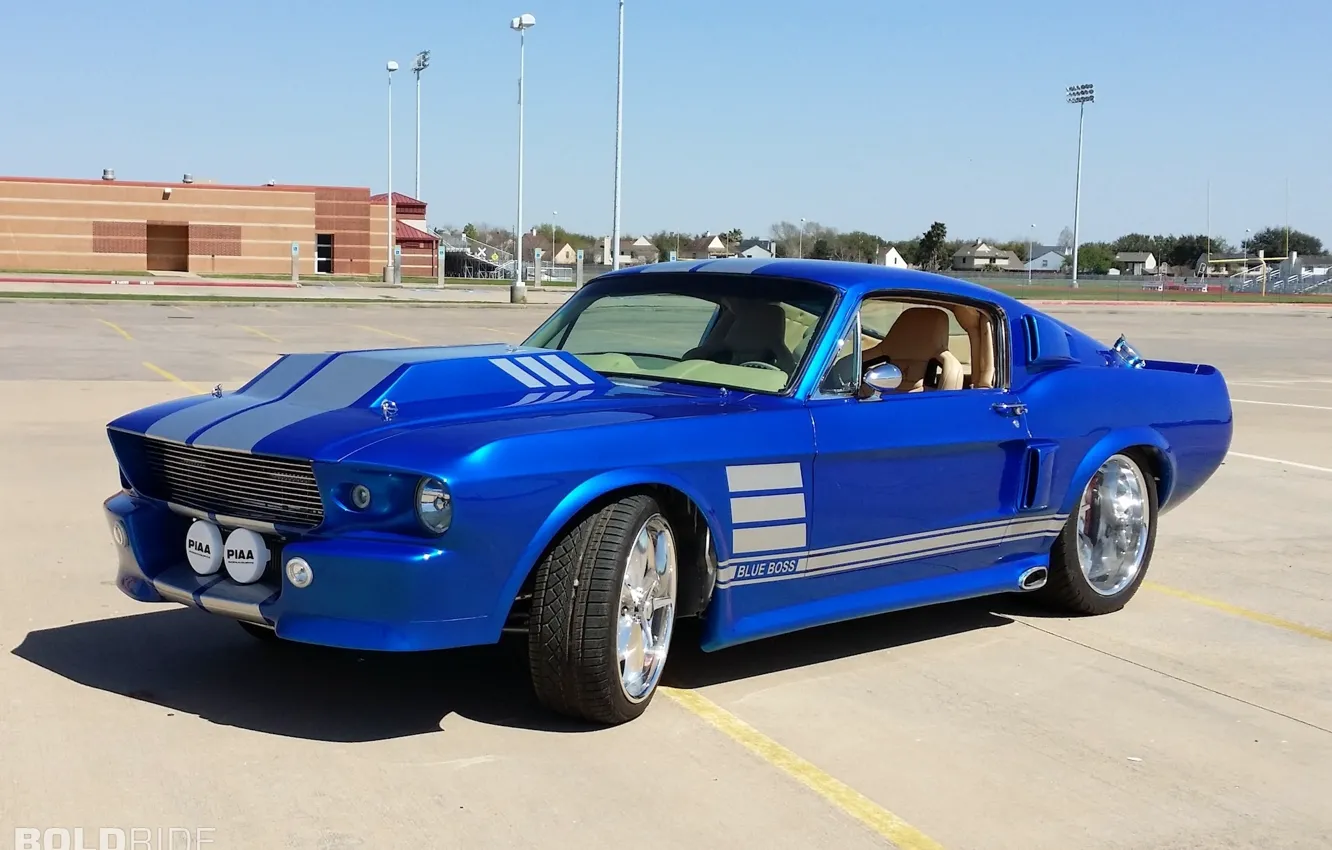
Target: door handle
(1004, 408)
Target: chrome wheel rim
(1114, 522)
(647, 608)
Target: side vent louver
(1031, 477)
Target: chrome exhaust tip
(1033, 579)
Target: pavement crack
(1179, 679)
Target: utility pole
(421, 62)
(1080, 95)
(619, 142)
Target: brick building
(203, 228)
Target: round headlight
(360, 496)
(434, 505)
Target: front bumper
(367, 593)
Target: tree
(1137, 242)
(821, 250)
(932, 253)
(733, 238)
(1272, 242)
(469, 230)
(1065, 238)
(858, 247)
(1096, 257)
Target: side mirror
(883, 378)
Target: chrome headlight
(434, 505)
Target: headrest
(920, 333)
(757, 325)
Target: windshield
(738, 331)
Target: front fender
(585, 494)
(1117, 441)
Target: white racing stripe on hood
(284, 375)
(337, 385)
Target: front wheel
(603, 612)
(1101, 557)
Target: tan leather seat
(757, 332)
(917, 344)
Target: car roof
(853, 278)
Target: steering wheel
(759, 364)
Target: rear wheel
(1100, 558)
(603, 612)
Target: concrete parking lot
(1198, 717)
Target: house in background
(633, 251)
(758, 249)
(891, 257)
(561, 253)
(709, 246)
(1046, 258)
(1135, 262)
(985, 257)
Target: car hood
(329, 406)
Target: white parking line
(1281, 404)
(1280, 461)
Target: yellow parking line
(389, 333)
(117, 328)
(170, 377)
(1235, 610)
(258, 332)
(881, 821)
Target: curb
(1044, 302)
(247, 284)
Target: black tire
(1067, 589)
(575, 610)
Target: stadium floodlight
(619, 140)
(391, 270)
(1079, 95)
(518, 291)
(419, 64)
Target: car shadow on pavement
(690, 667)
(194, 663)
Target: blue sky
(859, 114)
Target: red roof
(399, 199)
(403, 232)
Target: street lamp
(801, 241)
(619, 140)
(1081, 95)
(419, 64)
(518, 292)
(1031, 238)
(554, 214)
(390, 268)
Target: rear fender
(584, 495)
(1117, 441)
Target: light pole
(619, 140)
(800, 250)
(419, 64)
(390, 268)
(518, 291)
(554, 214)
(1031, 239)
(1244, 269)
(1080, 95)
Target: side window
(938, 345)
(844, 376)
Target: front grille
(266, 489)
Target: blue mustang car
(764, 445)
